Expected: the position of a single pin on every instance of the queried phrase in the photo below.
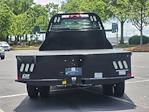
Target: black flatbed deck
(74, 52)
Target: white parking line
(9, 96)
(140, 78)
(140, 66)
(133, 82)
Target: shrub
(135, 40)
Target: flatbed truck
(76, 53)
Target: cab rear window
(75, 22)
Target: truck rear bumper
(54, 82)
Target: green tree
(5, 20)
(25, 22)
(52, 9)
(121, 10)
(18, 17)
(39, 16)
(96, 6)
(20, 24)
(18, 6)
(140, 15)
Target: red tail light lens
(75, 16)
(19, 77)
(130, 74)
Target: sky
(44, 2)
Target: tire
(44, 91)
(32, 91)
(2, 57)
(108, 89)
(119, 89)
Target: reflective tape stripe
(26, 67)
(22, 67)
(115, 65)
(120, 64)
(125, 64)
(31, 67)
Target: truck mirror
(36, 29)
(114, 27)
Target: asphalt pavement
(13, 95)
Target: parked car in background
(5, 45)
(2, 53)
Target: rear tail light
(19, 77)
(130, 74)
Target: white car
(5, 45)
(2, 53)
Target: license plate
(122, 72)
(98, 75)
(73, 71)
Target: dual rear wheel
(34, 91)
(2, 57)
(114, 89)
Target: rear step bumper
(54, 82)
